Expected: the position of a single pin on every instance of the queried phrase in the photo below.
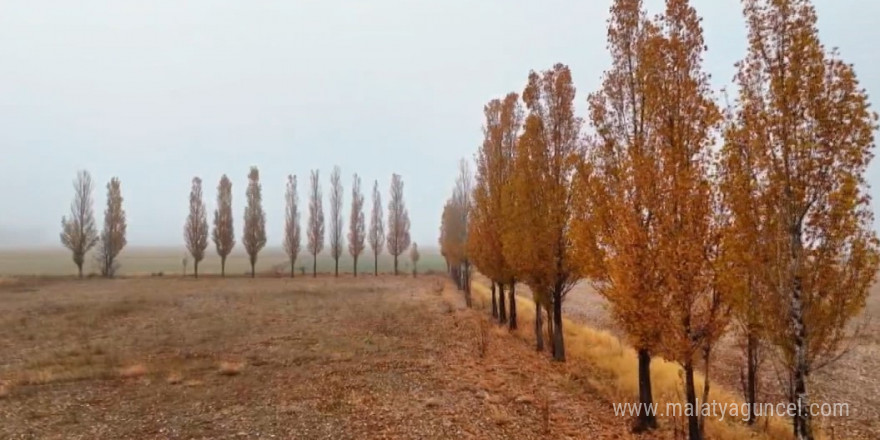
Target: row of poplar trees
(690, 218)
(397, 239)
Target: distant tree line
(692, 220)
(80, 234)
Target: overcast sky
(157, 92)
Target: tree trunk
(512, 298)
(802, 423)
(395, 265)
(314, 266)
(550, 333)
(223, 266)
(355, 266)
(707, 355)
(558, 342)
(467, 285)
(336, 268)
(647, 419)
(376, 264)
(196, 268)
(494, 301)
(751, 385)
(502, 305)
(79, 268)
(539, 330)
(693, 415)
(253, 268)
(292, 267)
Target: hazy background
(156, 92)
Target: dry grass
(174, 378)
(227, 368)
(614, 373)
(133, 371)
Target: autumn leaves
(690, 219)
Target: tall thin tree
(223, 234)
(356, 229)
(377, 228)
(617, 200)
(398, 221)
(546, 156)
(808, 122)
(683, 118)
(195, 232)
(336, 218)
(292, 237)
(113, 235)
(254, 237)
(494, 163)
(414, 257)
(79, 232)
(316, 221)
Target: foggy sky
(156, 92)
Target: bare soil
(167, 358)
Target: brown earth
(391, 357)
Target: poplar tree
(79, 232)
(223, 234)
(254, 237)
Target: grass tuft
(133, 371)
(228, 368)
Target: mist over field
(168, 260)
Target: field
(168, 261)
(386, 357)
(372, 357)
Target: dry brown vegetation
(387, 357)
(853, 380)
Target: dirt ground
(391, 357)
(854, 379)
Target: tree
(683, 117)
(525, 216)
(292, 237)
(356, 231)
(486, 223)
(112, 238)
(414, 257)
(254, 237)
(377, 228)
(79, 232)
(807, 122)
(223, 234)
(546, 155)
(336, 218)
(398, 221)
(452, 243)
(196, 229)
(746, 246)
(616, 196)
(316, 221)
(462, 208)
